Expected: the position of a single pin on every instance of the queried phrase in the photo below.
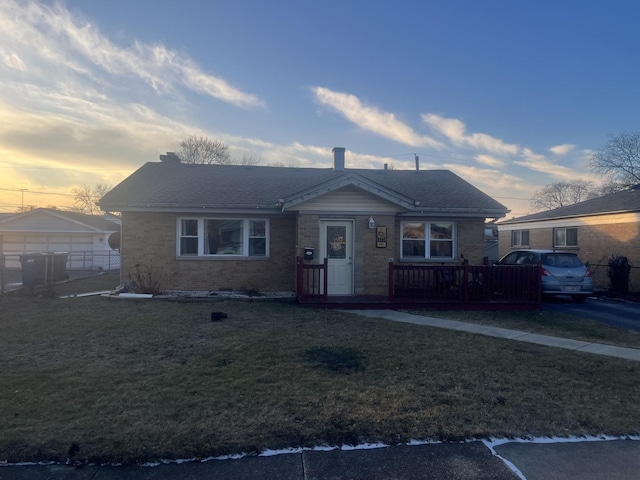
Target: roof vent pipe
(338, 158)
(386, 166)
(417, 163)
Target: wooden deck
(383, 302)
(433, 287)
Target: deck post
(465, 282)
(390, 279)
(299, 276)
(539, 282)
(326, 277)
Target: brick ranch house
(596, 229)
(210, 227)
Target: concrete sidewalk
(498, 332)
(477, 460)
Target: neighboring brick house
(597, 229)
(210, 227)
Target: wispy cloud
(14, 61)
(456, 131)
(490, 179)
(540, 163)
(371, 119)
(53, 36)
(490, 160)
(562, 149)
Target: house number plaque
(381, 237)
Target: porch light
(372, 223)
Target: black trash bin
(41, 267)
(618, 273)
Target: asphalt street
(616, 313)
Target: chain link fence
(42, 268)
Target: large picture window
(204, 237)
(428, 240)
(520, 238)
(565, 237)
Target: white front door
(337, 248)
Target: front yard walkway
(558, 342)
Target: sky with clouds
(509, 95)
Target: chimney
(170, 157)
(338, 158)
(417, 163)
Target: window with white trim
(428, 240)
(222, 237)
(520, 238)
(565, 237)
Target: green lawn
(105, 380)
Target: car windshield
(561, 260)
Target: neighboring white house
(85, 238)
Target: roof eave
(562, 217)
(190, 208)
(458, 212)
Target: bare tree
(607, 188)
(249, 159)
(203, 150)
(86, 198)
(26, 208)
(619, 159)
(282, 165)
(561, 194)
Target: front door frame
(348, 287)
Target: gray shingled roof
(166, 185)
(95, 221)
(619, 202)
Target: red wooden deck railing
(311, 280)
(438, 284)
(466, 283)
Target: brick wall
(471, 240)
(372, 265)
(149, 241)
(149, 244)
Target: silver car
(563, 273)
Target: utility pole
(22, 207)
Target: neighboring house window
(565, 237)
(222, 237)
(432, 240)
(520, 238)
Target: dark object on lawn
(618, 273)
(217, 316)
(336, 359)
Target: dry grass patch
(94, 379)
